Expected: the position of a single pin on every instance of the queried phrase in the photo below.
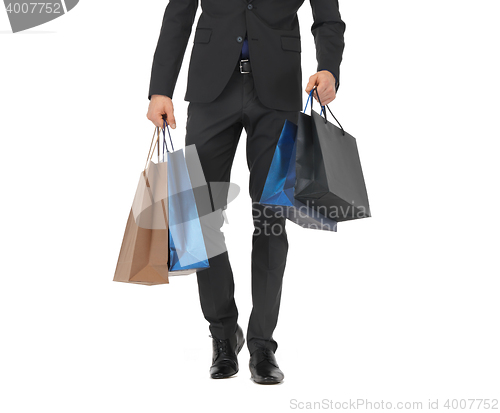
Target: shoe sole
(266, 380)
(216, 377)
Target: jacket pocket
(290, 43)
(202, 35)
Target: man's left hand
(325, 85)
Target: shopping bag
(278, 193)
(148, 254)
(329, 175)
(188, 251)
(143, 256)
(186, 241)
(144, 252)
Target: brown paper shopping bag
(143, 256)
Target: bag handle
(308, 99)
(150, 156)
(151, 153)
(322, 108)
(165, 126)
(157, 143)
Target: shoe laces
(221, 345)
(266, 352)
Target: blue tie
(244, 49)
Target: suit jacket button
(250, 7)
(239, 39)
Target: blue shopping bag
(187, 247)
(278, 191)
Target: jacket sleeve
(174, 35)
(328, 31)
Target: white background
(402, 306)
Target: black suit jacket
(272, 28)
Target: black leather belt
(244, 66)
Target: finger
(151, 116)
(331, 98)
(171, 117)
(157, 120)
(327, 97)
(312, 82)
(327, 101)
(326, 94)
(321, 93)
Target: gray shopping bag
(329, 174)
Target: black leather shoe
(264, 368)
(225, 355)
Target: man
(244, 72)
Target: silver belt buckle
(241, 65)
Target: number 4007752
(32, 8)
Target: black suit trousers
(215, 129)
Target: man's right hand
(159, 106)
